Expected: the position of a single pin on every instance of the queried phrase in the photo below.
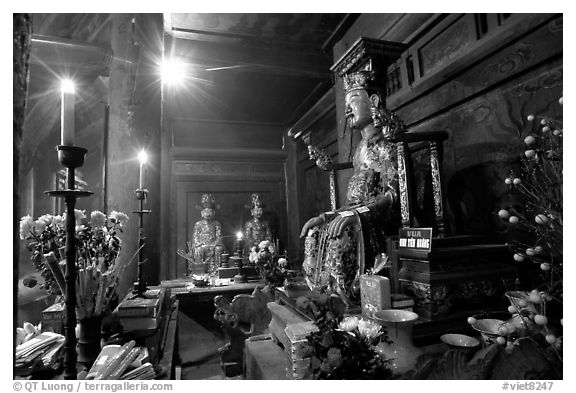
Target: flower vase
(400, 350)
(89, 334)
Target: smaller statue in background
(256, 230)
(207, 246)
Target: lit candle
(142, 157)
(67, 113)
(239, 244)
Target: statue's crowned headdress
(256, 200)
(359, 80)
(207, 201)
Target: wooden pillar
(22, 25)
(147, 128)
(293, 243)
(134, 124)
(167, 269)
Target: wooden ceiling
(262, 69)
(254, 68)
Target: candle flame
(67, 86)
(142, 156)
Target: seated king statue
(257, 229)
(341, 245)
(207, 243)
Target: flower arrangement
(538, 224)
(347, 350)
(343, 347)
(97, 247)
(272, 268)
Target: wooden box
(53, 318)
(374, 294)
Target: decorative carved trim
(204, 154)
(228, 168)
(437, 187)
(403, 185)
(321, 157)
(333, 191)
(443, 295)
(501, 36)
(368, 53)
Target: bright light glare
(67, 86)
(142, 157)
(173, 71)
(239, 235)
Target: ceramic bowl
(395, 316)
(459, 341)
(489, 328)
(522, 325)
(515, 296)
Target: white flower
(97, 219)
(26, 224)
(57, 220)
(119, 217)
(47, 218)
(39, 226)
(78, 216)
(253, 257)
(282, 262)
(349, 324)
(264, 244)
(369, 329)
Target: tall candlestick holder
(140, 286)
(71, 157)
(239, 263)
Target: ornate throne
(460, 275)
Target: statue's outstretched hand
(319, 220)
(337, 225)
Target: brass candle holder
(140, 286)
(240, 277)
(71, 157)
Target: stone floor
(199, 339)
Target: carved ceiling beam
(224, 57)
(64, 56)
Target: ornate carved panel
(446, 46)
(227, 169)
